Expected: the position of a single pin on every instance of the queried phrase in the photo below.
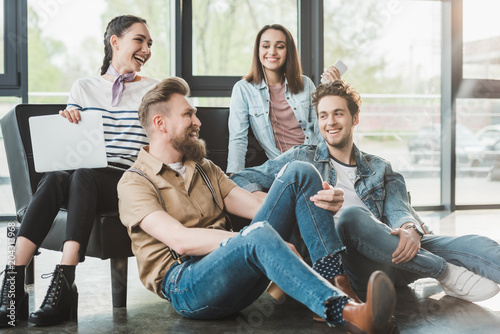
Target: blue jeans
(369, 247)
(234, 275)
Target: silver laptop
(61, 145)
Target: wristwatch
(418, 229)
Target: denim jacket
(381, 189)
(250, 107)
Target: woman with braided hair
(117, 92)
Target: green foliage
(157, 14)
(223, 38)
(224, 32)
(44, 73)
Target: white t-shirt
(346, 175)
(123, 134)
(180, 168)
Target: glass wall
(478, 119)
(481, 39)
(66, 41)
(393, 51)
(2, 38)
(6, 103)
(478, 151)
(224, 32)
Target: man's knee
(261, 227)
(353, 218)
(298, 169)
(259, 233)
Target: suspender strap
(174, 254)
(154, 185)
(205, 178)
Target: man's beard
(342, 142)
(190, 148)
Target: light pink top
(286, 128)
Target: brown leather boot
(275, 291)
(374, 316)
(342, 283)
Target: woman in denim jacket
(274, 99)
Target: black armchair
(109, 238)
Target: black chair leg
(119, 267)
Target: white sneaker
(464, 284)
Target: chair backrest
(23, 113)
(214, 130)
(17, 141)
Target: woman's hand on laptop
(73, 115)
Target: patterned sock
(334, 310)
(329, 266)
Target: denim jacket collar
(322, 153)
(263, 85)
(364, 167)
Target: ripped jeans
(233, 276)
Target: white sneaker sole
(474, 288)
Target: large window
(478, 151)
(393, 51)
(481, 39)
(222, 42)
(66, 41)
(416, 86)
(477, 109)
(12, 35)
(2, 38)
(224, 32)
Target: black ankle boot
(14, 297)
(61, 301)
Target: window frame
(14, 80)
(310, 37)
(452, 81)
(310, 43)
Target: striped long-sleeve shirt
(123, 134)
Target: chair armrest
(17, 161)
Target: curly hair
(338, 88)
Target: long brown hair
(292, 68)
(117, 26)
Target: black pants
(83, 192)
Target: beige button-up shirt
(194, 207)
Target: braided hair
(117, 26)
